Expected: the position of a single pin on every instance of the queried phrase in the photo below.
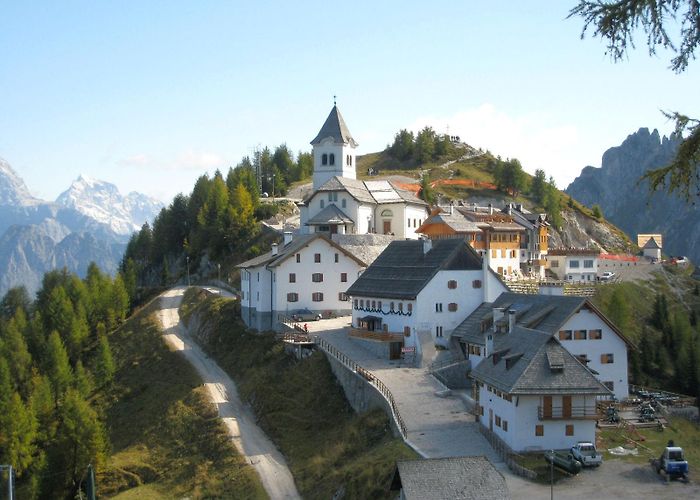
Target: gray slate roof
(403, 269)
(651, 244)
(330, 215)
(534, 362)
(546, 313)
(382, 192)
(336, 128)
(449, 479)
(456, 221)
(284, 252)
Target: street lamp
(188, 270)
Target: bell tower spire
(333, 149)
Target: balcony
(378, 336)
(567, 413)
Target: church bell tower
(333, 150)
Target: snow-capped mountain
(102, 202)
(13, 191)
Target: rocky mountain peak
(13, 191)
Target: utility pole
(188, 270)
(10, 481)
(551, 478)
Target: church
(342, 204)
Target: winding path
(248, 438)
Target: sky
(151, 95)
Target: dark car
(305, 315)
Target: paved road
(239, 420)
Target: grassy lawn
(301, 407)
(651, 442)
(166, 438)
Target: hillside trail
(239, 420)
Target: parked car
(564, 461)
(587, 454)
(305, 315)
(672, 461)
(607, 276)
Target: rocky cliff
(626, 202)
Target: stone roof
(355, 188)
(330, 215)
(335, 128)
(533, 362)
(366, 247)
(293, 247)
(455, 221)
(546, 313)
(651, 244)
(449, 478)
(404, 269)
(381, 192)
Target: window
(579, 334)
(505, 425)
(595, 334)
(482, 411)
(323, 204)
(452, 284)
(564, 334)
(317, 277)
(554, 263)
(343, 203)
(356, 302)
(498, 421)
(324, 159)
(258, 276)
(476, 284)
(292, 277)
(330, 196)
(609, 385)
(298, 258)
(331, 159)
(588, 263)
(391, 306)
(317, 297)
(343, 277)
(374, 304)
(406, 331)
(583, 358)
(438, 307)
(317, 258)
(494, 254)
(452, 307)
(438, 331)
(401, 306)
(362, 303)
(257, 296)
(342, 296)
(292, 297)
(336, 257)
(409, 307)
(379, 305)
(569, 430)
(574, 264)
(539, 430)
(414, 223)
(606, 359)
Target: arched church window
(324, 159)
(387, 213)
(331, 159)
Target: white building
(534, 395)
(652, 249)
(342, 204)
(578, 325)
(422, 290)
(307, 272)
(534, 244)
(574, 264)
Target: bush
(266, 210)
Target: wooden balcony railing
(567, 413)
(380, 336)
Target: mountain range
(627, 202)
(89, 222)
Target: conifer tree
(103, 363)
(58, 369)
(14, 348)
(18, 434)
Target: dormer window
(324, 159)
(331, 159)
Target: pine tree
(58, 369)
(103, 363)
(18, 434)
(82, 381)
(14, 348)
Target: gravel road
(239, 420)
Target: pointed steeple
(335, 128)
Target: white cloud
(536, 139)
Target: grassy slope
(166, 438)
(301, 407)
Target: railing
(380, 336)
(436, 365)
(506, 453)
(383, 389)
(297, 338)
(564, 413)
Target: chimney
(451, 208)
(511, 320)
(490, 209)
(497, 314)
(488, 344)
(288, 236)
(427, 245)
(275, 249)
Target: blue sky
(150, 95)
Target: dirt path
(248, 438)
